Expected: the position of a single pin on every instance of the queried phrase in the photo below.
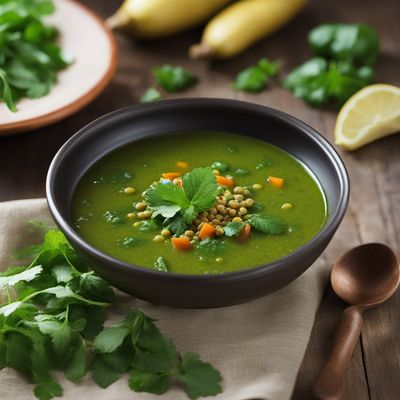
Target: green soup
(104, 207)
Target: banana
(150, 19)
(243, 23)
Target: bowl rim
(246, 274)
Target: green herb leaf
(113, 217)
(103, 374)
(27, 276)
(173, 79)
(128, 242)
(199, 378)
(233, 228)
(254, 79)
(62, 273)
(317, 81)
(177, 225)
(345, 42)
(161, 264)
(150, 382)
(77, 368)
(95, 288)
(268, 224)
(111, 338)
(220, 166)
(166, 199)
(210, 247)
(201, 188)
(151, 94)
(148, 225)
(48, 389)
(60, 334)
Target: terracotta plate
(87, 39)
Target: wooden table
(374, 170)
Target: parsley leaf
(161, 264)
(267, 224)
(27, 276)
(151, 94)
(201, 188)
(173, 79)
(233, 228)
(198, 193)
(200, 378)
(254, 79)
(210, 247)
(29, 55)
(166, 200)
(148, 381)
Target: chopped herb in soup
(198, 203)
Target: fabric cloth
(258, 346)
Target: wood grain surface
(373, 213)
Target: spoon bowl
(366, 275)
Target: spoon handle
(328, 384)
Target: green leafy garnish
(148, 225)
(29, 55)
(233, 228)
(128, 242)
(211, 247)
(173, 79)
(198, 193)
(151, 94)
(161, 264)
(53, 320)
(358, 43)
(317, 80)
(220, 166)
(267, 224)
(112, 217)
(342, 65)
(152, 360)
(254, 79)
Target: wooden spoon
(364, 277)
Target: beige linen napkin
(258, 346)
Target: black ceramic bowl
(131, 124)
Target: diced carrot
(182, 164)
(244, 233)
(178, 181)
(275, 182)
(206, 231)
(224, 181)
(181, 243)
(171, 175)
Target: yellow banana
(157, 18)
(243, 23)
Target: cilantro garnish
(173, 79)
(53, 320)
(233, 228)
(151, 94)
(198, 193)
(254, 79)
(29, 55)
(267, 224)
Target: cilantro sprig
(198, 193)
(255, 79)
(53, 319)
(29, 55)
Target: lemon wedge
(368, 115)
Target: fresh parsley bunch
(52, 319)
(29, 55)
(342, 65)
